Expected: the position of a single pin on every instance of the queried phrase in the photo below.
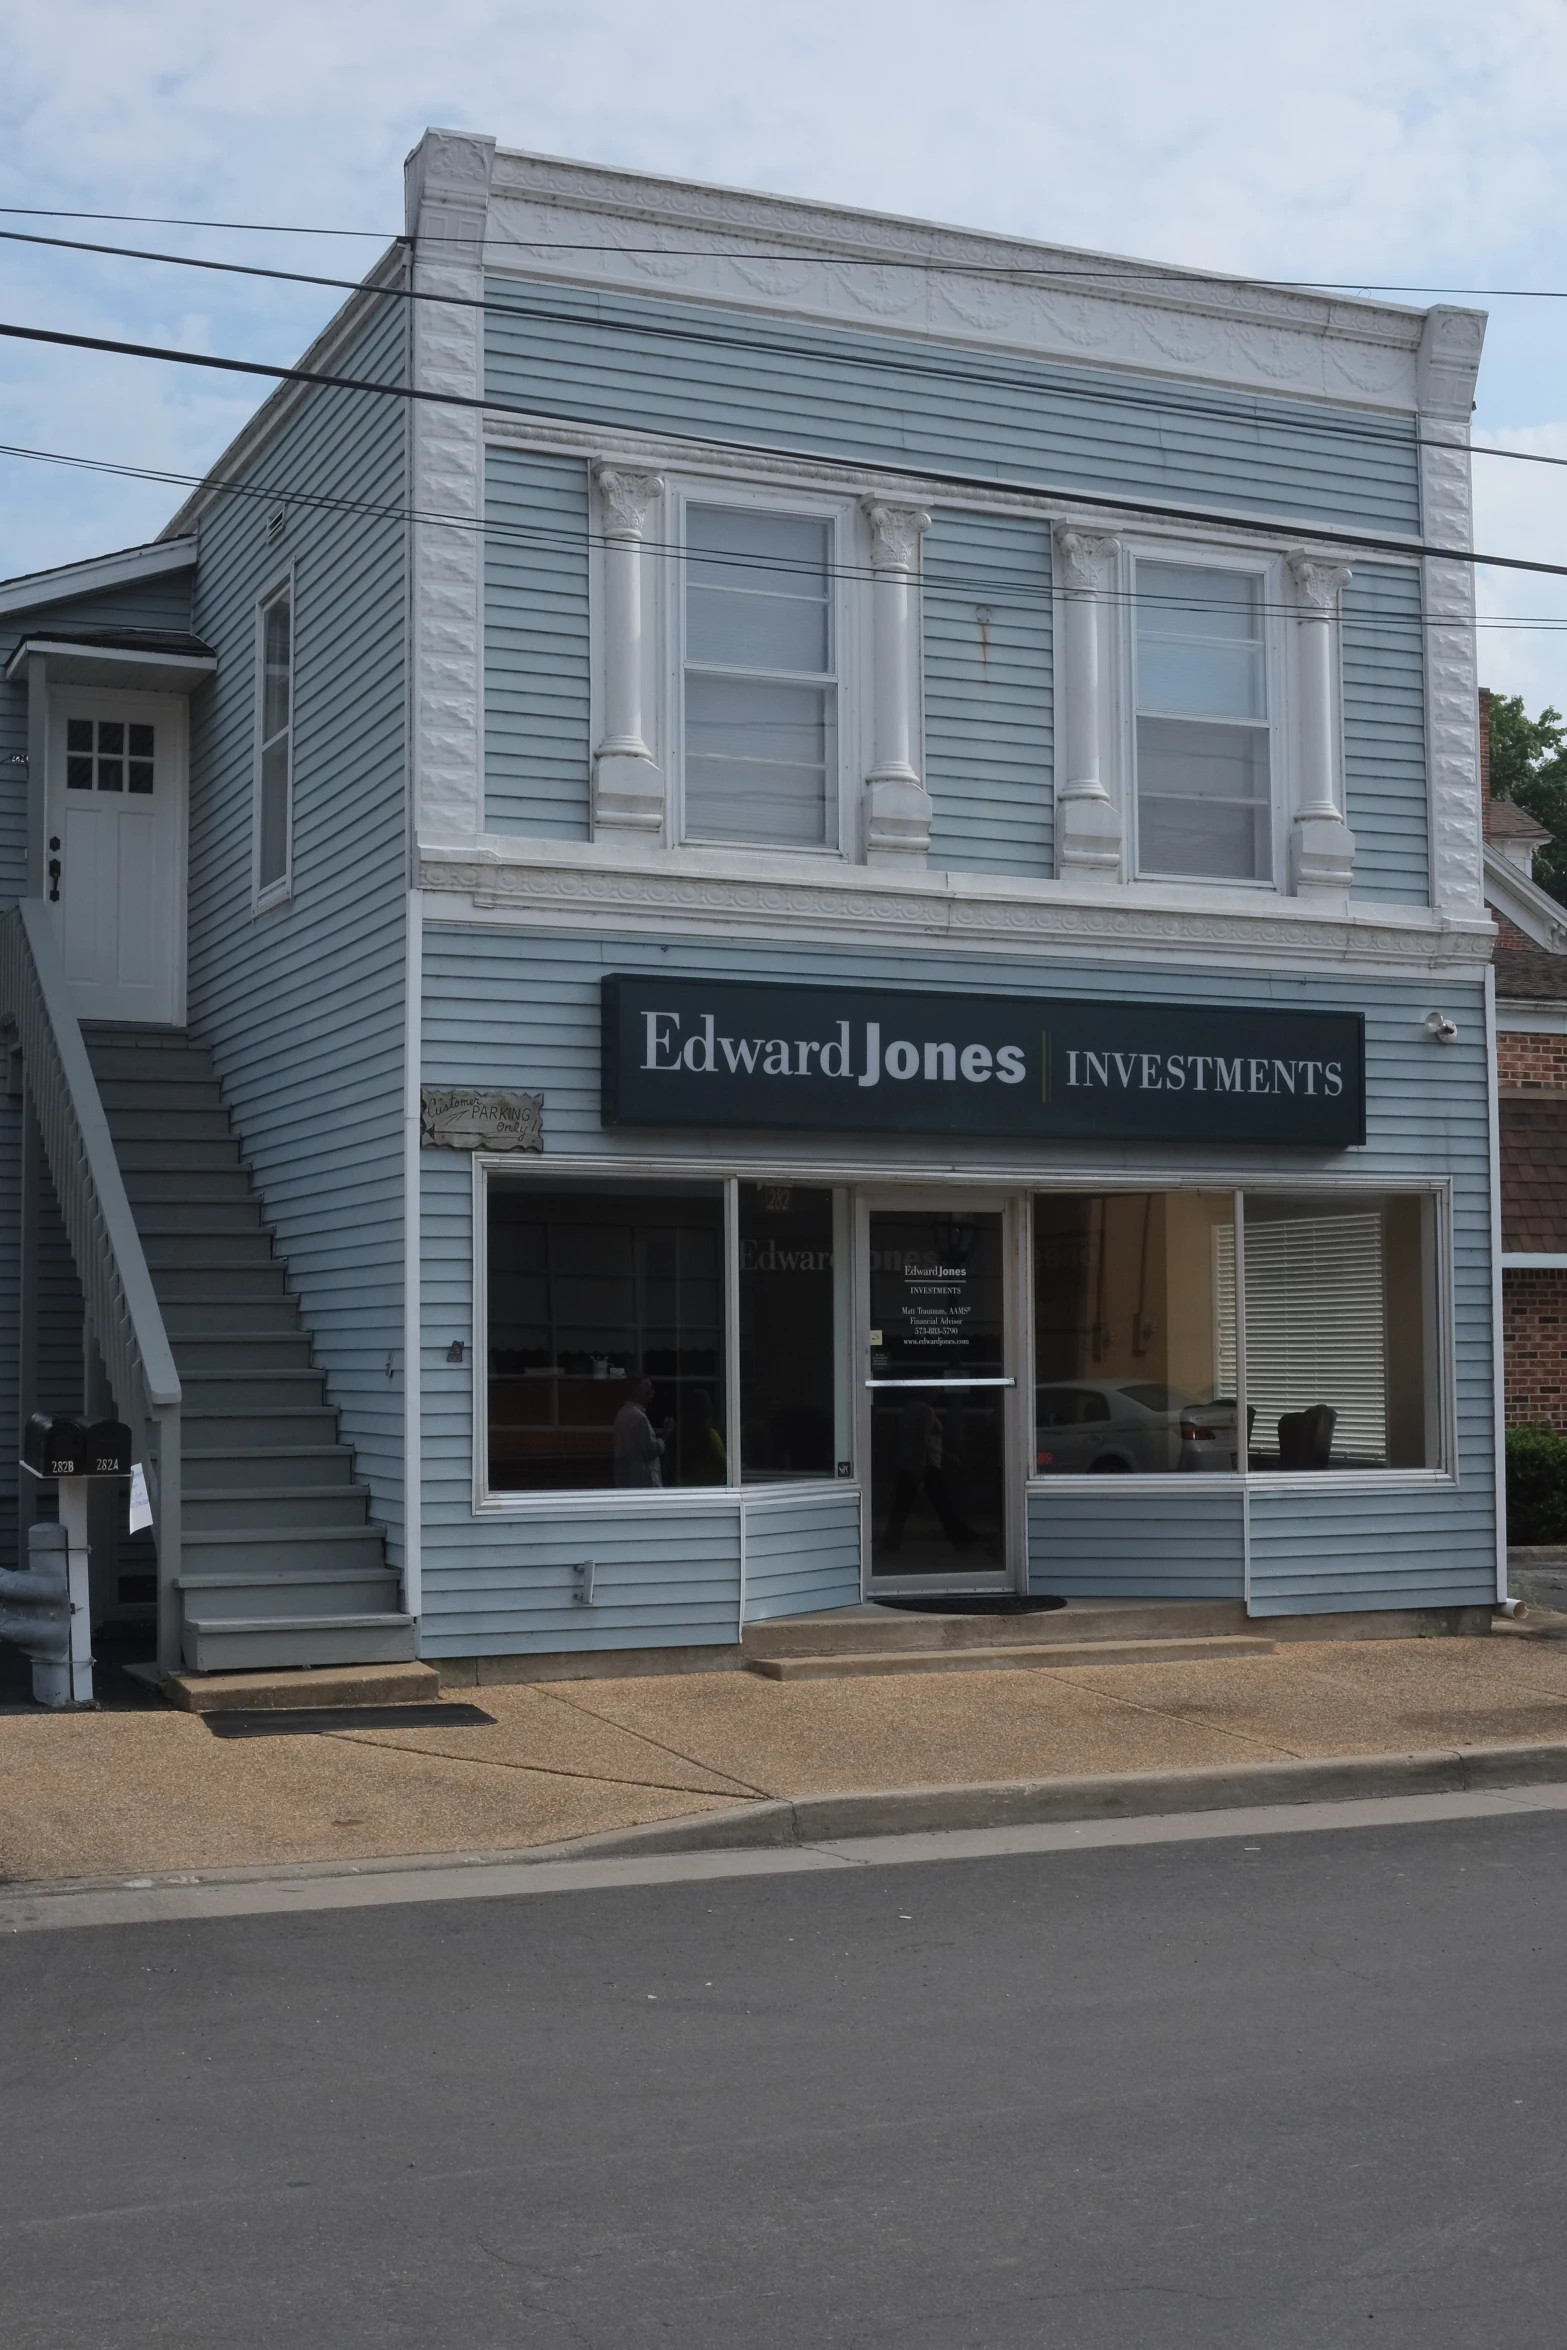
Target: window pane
(1203, 806)
(111, 738)
(78, 734)
(141, 742)
(1199, 642)
(140, 772)
(786, 1332)
(758, 760)
(78, 775)
(606, 1359)
(274, 814)
(275, 669)
(1134, 1333)
(1338, 1320)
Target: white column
(1322, 847)
(1445, 373)
(897, 806)
(1088, 823)
(628, 788)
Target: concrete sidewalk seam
(1164, 1713)
(388, 1744)
(659, 1745)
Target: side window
(275, 749)
(760, 679)
(1203, 766)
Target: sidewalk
(118, 1794)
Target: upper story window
(275, 747)
(760, 681)
(1204, 780)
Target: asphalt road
(1276, 2095)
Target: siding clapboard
(802, 1551)
(613, 359)
(536, 747)
(1384, 734)
(304, 1007)
(988, 753)
(1138, 1540)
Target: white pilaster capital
(896, 532)
(1087, 560)
(628, 499)
(1319, 583)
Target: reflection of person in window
(638, 1449)
(918, 1467)
(699, 1449)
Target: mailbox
(73, 1448)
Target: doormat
(976, 1603)
(301, 1721)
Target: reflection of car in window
(1137, 1425)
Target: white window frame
(851, 616)
(277, 892)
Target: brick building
(1531, 1077)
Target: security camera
(1444, 1030)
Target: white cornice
(704, 894)
(1526, 905)
(788, 257)
(37, 589)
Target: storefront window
(1134, 1333)
(786, 1332)
(606, 1337)
(1339, 1331)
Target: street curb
(1122, 1795)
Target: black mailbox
(70, 1448)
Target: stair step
(188, 1220)
(294, 1691)
(219, 1509)
(1009, 1657)
(134, 1120)
(237, 1390)
(225, 1431)
(180, 1184)
(267, 1551)
(200, 1354)
(220, 1310)
(171, 1247)
(256, 1644)
(174, 1156)
(836, 1631)
(182, 1064)
(216, 1599)
(247, 1468)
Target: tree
(1529, 767)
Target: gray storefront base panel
(1136, 1538)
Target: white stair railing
(122, 1305)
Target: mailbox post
(45, 1610)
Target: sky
(1382, 143)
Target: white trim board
(36, 588)
(1524, 1260)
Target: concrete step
(229, 1599)
(200, 1354)
(882, 1630)
(251, 1644)
(1006, 1657)
(217, 1310)
(242, 1467)
(230, 1431)
(273, 1507)
(256, 1552)
(239, 1390)
(172, 1248)
(293, 1691)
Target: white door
(114, 873)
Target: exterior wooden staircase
(280, 1563)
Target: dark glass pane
(111, 775)
(78, 775)
(938, 1450)
(141, 742)
(141, 775)
(1134, 1333)
(78, 734)
(273, 859)
(786, 1332)
(606, 1338)
(111, 738)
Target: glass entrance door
(939, 1393)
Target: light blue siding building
(811, 931)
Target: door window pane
(938, 1418)
(606, 1338)
(761, 756)
(786, 1332)
(1204, 795)
(1134, 1333)
(1339, 1332)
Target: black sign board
(696, 1052)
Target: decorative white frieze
(628, 785)
(1322, 847)
(480, 1118)
(898, 809)
(1088, 822)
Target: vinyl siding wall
(159, 603)
(506, 1008)
(988, 749)
(802, 1551)
(1385, 788)
(536, 747)
(304, 1007)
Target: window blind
(1316, 1327)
